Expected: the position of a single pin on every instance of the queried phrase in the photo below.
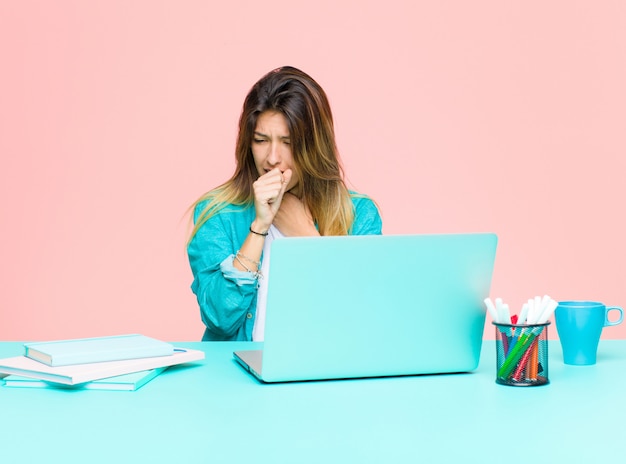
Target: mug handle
(618, 321)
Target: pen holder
(522, 354)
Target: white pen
(506, 313)
(523, 315)
(547, 313)
(500, 310)
(530, 318)
(538, 308)
(492, 310)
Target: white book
(98, 349)
(125, 382)
(80, 373)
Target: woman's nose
(274, 156)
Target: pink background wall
(455, 116)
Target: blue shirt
(226, 295)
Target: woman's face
(271, 145)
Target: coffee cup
(579, 325)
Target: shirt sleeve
(224, 293)
(367, 220)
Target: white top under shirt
(259, 322)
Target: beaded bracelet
(258, 233)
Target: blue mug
(579, 325)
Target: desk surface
(213, 411)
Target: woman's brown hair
(321, 186)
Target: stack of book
(123, 362)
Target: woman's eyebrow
(261, 134)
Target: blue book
(100, 349)
(126, 382)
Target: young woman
(288, 182)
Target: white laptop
(372, 306)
